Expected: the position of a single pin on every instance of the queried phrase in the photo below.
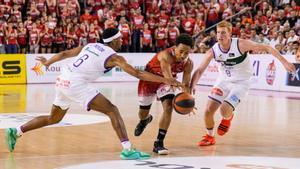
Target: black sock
(161, 135)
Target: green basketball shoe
(11, 138)
(133, 154)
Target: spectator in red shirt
(86, 16)
(22, 38)
(146, 39)
(51, 4)
(161, 36)
(34, 39)
(59, 40)
(126, 34)
(11, 39)
(138, 22)
(46, 36)
(33, 11)
(173, 32)
(2, 38)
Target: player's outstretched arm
(199, 71)
(117, 60)
(60, 56)
(187, 76)
(247, 45)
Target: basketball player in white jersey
(234, 77)
(89, 62)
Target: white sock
(126, 144)
(210, 132)
(19, 131)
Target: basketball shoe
(11, 138)
(142, 125)
(133, 154)
(207, 141)
(159, 148)
(224, 126)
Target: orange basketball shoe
(207, 141)
(224, 126)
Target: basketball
(183, 103)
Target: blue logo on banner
(294, 79)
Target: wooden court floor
(266, 124)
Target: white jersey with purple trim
(89, 64)
(235, 66)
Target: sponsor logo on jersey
(16, 119)
(212, 68)
(231, 54)
(234, 98)
(213, 162)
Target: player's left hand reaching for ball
(290, 67)
(43, 60)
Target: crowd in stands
(50, 26)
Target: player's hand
(193, 111)
(193, 90)
(174, 83)
(290, 67)
(43, 60)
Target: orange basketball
(183, 103)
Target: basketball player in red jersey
(166, 63)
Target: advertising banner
(12, 69)
(268, 72)
(38, 73)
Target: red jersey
(125, 30)
(188, 25)
(173, 33)
(146, 88)
(153, 66)
(22, 37)
(12, 37)
(138, 21)
(146, 35)
(1, 38)
(161, 37)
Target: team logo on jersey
(217, 91)
(231, 54)
(221, 58)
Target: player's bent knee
(226, 107)
(112, 110)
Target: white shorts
(163, 90)
(230, 92)
(68, 91)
